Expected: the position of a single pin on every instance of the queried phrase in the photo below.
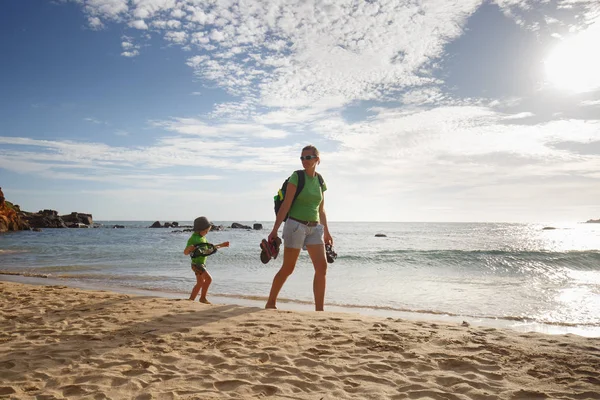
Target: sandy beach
(58, 342)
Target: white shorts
(297, 235)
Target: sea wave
(587, 259)
(87, 276)
(11, 251)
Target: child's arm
(224, 244)
(189, 249)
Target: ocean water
(498, 274)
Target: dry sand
(58, 342)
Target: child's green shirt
(194, 240)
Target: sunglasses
(307, 157)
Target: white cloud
(457, 146)
(176, 37)
(106, 9)
(520, 115)
(521, 12)
(289, 53)
(431, 95)
(95, 23)
(178, 13)
(130, 49)
(138, 24)
(130, 53)
(93, 120)
(191, 126)
(591, 103)
(426, 146)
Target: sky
(423, 110)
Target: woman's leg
(319, 260)
(290, 256)
(207, 281)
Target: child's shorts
(199, 268)
(297, 235)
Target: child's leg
(207, 281)
(199, 282)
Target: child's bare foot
(205, 301)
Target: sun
(574, 64)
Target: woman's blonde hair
(313, 148)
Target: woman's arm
(323, 220)
(290, 191)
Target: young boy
(203, 279)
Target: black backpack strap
(321, 181)
(301, 180)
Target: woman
(306, 225)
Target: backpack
(278, 199)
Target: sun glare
(574, 64)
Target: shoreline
(292, 305)
(61, 342)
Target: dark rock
(547, 228)
(156, 225)
(217, 228)
(77, 225)
(174, 224)
(236, 225)
(44, 219)
(118, 226)
(593, 221)
(167, 225)
(48, 213)
(257, 227)
(77, 218)
(380, 235)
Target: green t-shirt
(194, 240)
(306, 206)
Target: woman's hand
(272, 235)
(328, 239)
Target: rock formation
(10, 216)
(237, 225)
(13, 219)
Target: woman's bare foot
(270, 306)
(205, 301)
